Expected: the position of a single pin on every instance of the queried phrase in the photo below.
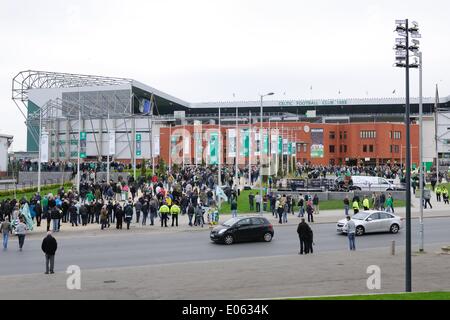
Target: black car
(243, 229)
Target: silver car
(373, 221)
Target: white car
(373, 221)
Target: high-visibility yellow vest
(355, 205)
(175, 209)
(366, 203)
(164, 209)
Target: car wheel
(359, 231)
(267, 237)
(228, 239)
(395, 228)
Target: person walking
(258, 201)
(138, 208)
(351, 230)
(21, 231)
(5, 230)
(73, 214)
(427, 198)
(304, 232)
(175, 211)
(49, 247)
(251, 200)
(414, 185)
(280, 210)
(382, 201)
(118, 212)
(316, 204)
(390, 204)
(234, 207)
(190, 213)
(301, 203)
(346, 205)
(128, 213)
(104, 217)
(310, 212)
(145, 211)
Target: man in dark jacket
(304, 233)
(118, 212)
(49, 246)
(128, 213)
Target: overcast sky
(206, 50)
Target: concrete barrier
(31, 178)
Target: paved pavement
(135, 249)
(325, 216)
(326, 273)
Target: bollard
(393, 248)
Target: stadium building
(133, 121)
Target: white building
(5, 143)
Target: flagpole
(249, 148)
(219, 178)
(436, 128)
(237, 149)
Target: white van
(369, 183)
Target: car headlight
(222, 231)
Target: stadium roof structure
(25, 81)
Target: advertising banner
(44, 147)
(112, 142)
(173, 145)
(198, 146)
(186, 145)
(280, 144)
(273, 143)
(258, 143)
(266, 143)
(156, 146)
(138, 144)
(285, 147)
(245, 143)
(82, 144)
(232, 143)
(317, 143)
(214, 148)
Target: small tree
(162, 167)
(143, 168)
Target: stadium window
(371, 148)
(345, 134)
(304, 147)
(340, 135)
(391, 149)
(331, 149)
(332, 135)
(368, 134)
(397, 135)
(365, 148)
(345, 148)
(340, 148)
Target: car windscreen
(360, 216)
(230, 222)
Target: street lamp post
(261, 152)
(403, 48)
(421, 171)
